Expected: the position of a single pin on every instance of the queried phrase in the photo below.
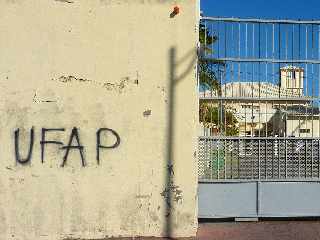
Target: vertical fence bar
(292, 131)
(273, 105)
(218, 110)
(318, 98)
(312, 102)
(252, 87)
(280, 111)
(259, 105)
(225, 105)
(266, 79)
(306, 106)
(286, 112)
(239, 79)
(232, 103)
(299, 116)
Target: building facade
(267, 109)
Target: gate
(259, 126)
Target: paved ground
(263, 230)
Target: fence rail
(259, 20)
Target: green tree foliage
(207, 75)
(224, 121)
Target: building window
(294, 74)
(246, 106)
(304, 130)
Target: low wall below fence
(98, 119)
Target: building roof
(302, 110)
(291, 67)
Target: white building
(302, 121)
(292, 79)
(261, 108)
(291, 86)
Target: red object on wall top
(176, 10)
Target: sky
(274, 9)
(296, 42)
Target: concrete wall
(79, 66)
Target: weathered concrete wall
(86, 65)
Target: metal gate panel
(227, 200)
(259, 133)
(259, 199)
(289, 199)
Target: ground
(262, 230)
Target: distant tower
(292, 79)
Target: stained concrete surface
(262, 230)
(93, 65)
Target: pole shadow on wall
(174, 79)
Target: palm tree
(209, 112)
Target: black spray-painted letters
(74, 144)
